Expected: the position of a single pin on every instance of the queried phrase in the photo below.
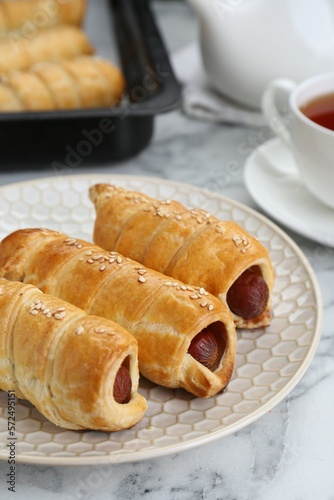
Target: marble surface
(289, 452)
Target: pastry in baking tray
(29, 16)
(190, 245)
(80, 371)
(186, 337)
(50, 44)
(82, 82)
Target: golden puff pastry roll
(28, 16)
(80, 371)
(50, 44)
(82, 82)
(186, 337)
(190, 245)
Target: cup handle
(278, 123)
(271, 113)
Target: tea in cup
(307, 129)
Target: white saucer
(284, 197)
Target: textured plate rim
(150, 453)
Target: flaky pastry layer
(65, 361)
(190, 245)
(164, 315)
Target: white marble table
(287, 454)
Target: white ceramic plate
(285, 198)
(269, 362)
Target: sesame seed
(190, 289)
(1, 291)
(81, 259)
(70, 241)
(237, 240)
(119, 260)
(38, 306)
(60, 315)
(203, 303)
(175, 283)
(243, 250)
(194, 296)
(34, 312)
(100, 330)
(90, 261)
(142, 279)
(46, 311)
(37, 301)
(48, 315)
(102, 268)
(183, 287)
(79, 246)
(168, 283)
(80, 330)
(112, 260)
(142, 271)
(178, 217)
(211, 307)
(60, 309)
(89, 252)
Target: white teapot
(247, 43)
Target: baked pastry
(50, 44)
(190, 245)
(80, 371)
(186, 337)
(82, 82)
(32, 15)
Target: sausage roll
(82, 82)
(190, 245)
(50, 44)
(186, 337)
(80, 371)
(31, 15)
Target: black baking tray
(66, 140)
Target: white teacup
(312, 144)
